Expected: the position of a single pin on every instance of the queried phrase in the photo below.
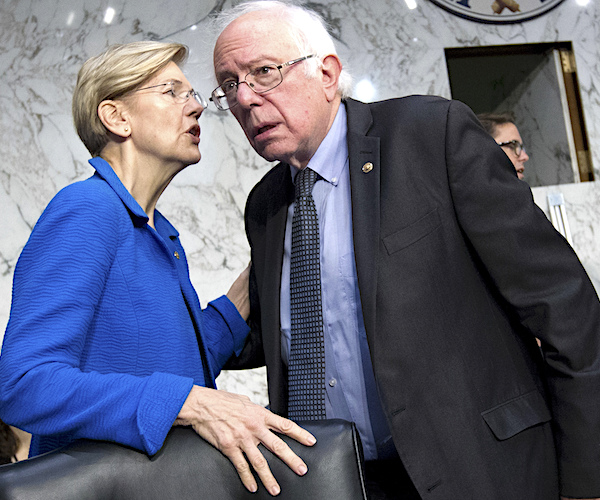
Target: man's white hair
(308, 30)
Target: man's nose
(245, 96)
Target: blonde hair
(307, 30)
(117, 71)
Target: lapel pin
(367, 167)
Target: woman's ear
(331, 69)
(112, 115)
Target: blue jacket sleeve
(59, 279)
(224, 332)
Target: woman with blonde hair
(106, 338)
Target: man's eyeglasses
(260, 80)
(516, 146)
(178, 92)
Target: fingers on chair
(242, 467)
(291, 429)
(261, 466)
(280, 448)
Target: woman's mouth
(195, 133)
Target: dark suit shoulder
(274, 190)
(275, 176)
(410, 102)
(413, 115)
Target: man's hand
(235, 425)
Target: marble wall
(390, 49)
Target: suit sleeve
(539, 276)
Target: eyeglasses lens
(260, 80)
(518, 147)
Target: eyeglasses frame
(200, 99)
(216, 99)
(514, 145)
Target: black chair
(187, 467)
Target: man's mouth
(263, 129)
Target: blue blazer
(105, 325)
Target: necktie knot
(305, 180)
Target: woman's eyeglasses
(179, 93)
(516, 146)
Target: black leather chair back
(187, 467)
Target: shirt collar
(332, 155)
(106, 172)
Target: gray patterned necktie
(306, 368)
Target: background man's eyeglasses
(178, 92)
(516, 146)
(260, 80)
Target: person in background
(501, 126)
(419, 323)
(106, 338)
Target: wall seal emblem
(498, 11)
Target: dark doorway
(538, 84)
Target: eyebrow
(253, 64)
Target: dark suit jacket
(458, 272)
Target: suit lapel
(283, 191)
(364, 180)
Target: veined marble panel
(581, 202)
(390, 49)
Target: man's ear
(332, 67)
(112, 115)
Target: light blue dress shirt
(351, 393)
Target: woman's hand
(236, 426)
(239, 293)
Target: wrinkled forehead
(252, 39)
